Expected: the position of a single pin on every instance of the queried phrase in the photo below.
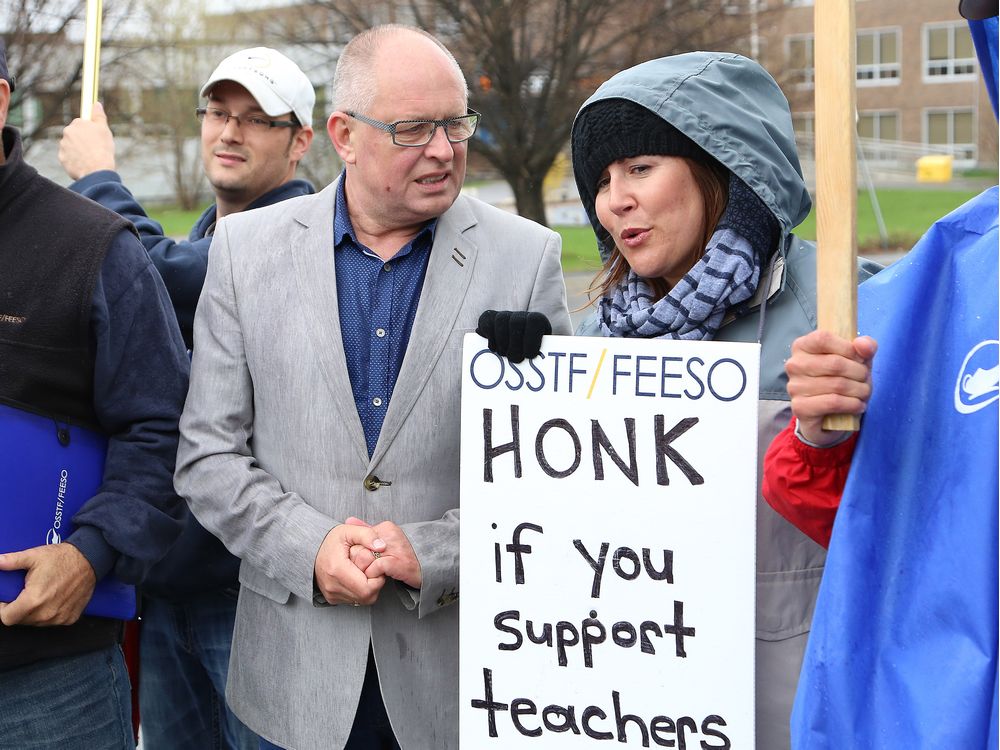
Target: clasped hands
(356, 558)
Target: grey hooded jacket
(734, 110)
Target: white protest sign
(607, 546)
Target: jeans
(183, 662)
(371, 729)
(73, 703)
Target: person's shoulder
(497, 219)
(294, 188)
(75, 223)
(800, 256)
(799, 272)
(72, 207)
(260, 226)
(286, 209)
(125, 261)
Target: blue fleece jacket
(140, 379)
(198, 562)
(182, 265)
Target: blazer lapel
(312, 251)
(449, 271)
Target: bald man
(330, 331)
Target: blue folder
(48, 470)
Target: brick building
(918, 80)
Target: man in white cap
(256, 125)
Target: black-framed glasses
(218, 118)
(421, 132)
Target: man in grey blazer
(325, 397)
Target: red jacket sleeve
(804, 484)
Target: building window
(876, 130)
(948, 53)
(800, 59)
(878, 57)
(954, 128)
(879, 126)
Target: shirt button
(376, 401)
(380, 332)
(387, 267)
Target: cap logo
(259, 60)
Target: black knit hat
(614, 129)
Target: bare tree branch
(45, 59)
(530, 64)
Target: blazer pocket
(259, 583)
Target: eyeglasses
(219, 118)
(421, 132)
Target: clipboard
(48, 470)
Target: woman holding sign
(688, 171)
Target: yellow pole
(91, 59)
(836, 176)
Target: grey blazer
(272, 456)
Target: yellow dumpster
(934, 168)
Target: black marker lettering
(600, 440)
(596, 565)
(489, 452)
(664, 450)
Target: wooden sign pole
(91, 59)
(836, 176)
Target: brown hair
(712, 180)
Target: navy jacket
(198, 562)
(135, 395)
(182, 265)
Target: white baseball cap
(278, 84)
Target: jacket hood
(731, 107)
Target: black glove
(514, 335)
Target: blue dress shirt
(377, 301)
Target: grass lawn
(907, 214)
(579, 249)
(175, 222)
